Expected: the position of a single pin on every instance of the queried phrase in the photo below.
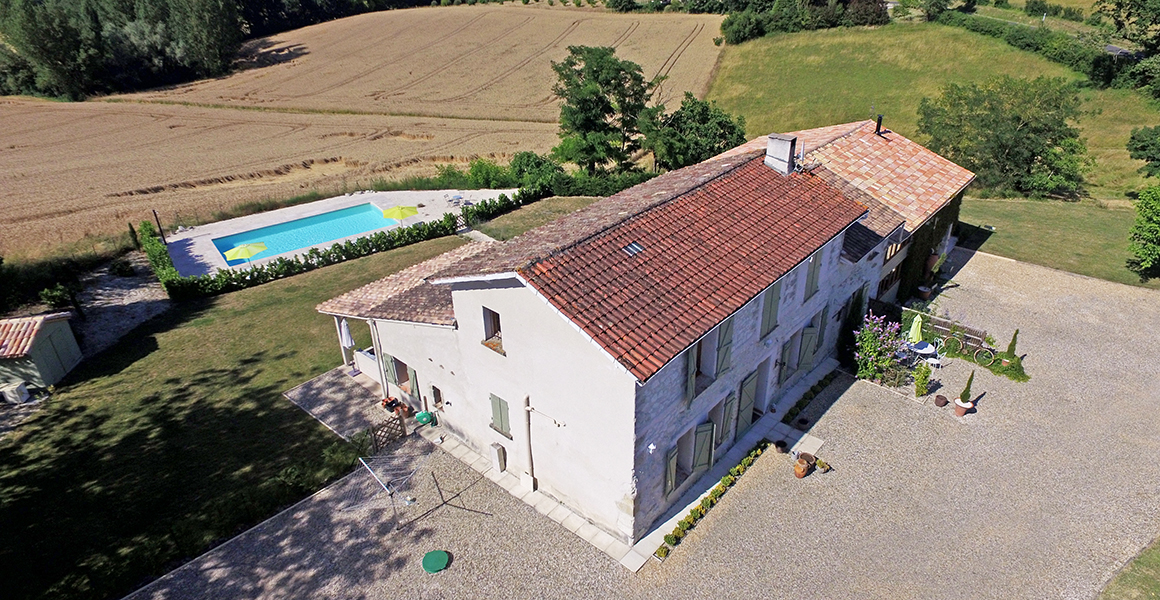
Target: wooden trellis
(385, 433)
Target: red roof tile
(17, 335)
(706, 253)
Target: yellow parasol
(245, 251)
(399, 213)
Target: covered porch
(391, 377)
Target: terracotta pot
(924, 292)
(940, 401)
(801, 468)
(1006, 362)
(961, 408)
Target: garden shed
(39, 349)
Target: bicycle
(953, 344)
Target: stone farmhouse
(609, 357)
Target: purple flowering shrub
(876, 344)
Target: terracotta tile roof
(406, 295)
(705, 254)
(592, 219)
(900, 174)
(17, 335)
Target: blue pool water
(306, 232)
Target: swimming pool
(306, 232)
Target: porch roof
(406, 295)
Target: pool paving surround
(1045, 492)
(193, 251)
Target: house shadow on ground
(805, 420)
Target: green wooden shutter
(784, 373)
(748, 399)
(392, 376)
(769, 309)
(728, 418)
(808, 347)
(815, 268)
(822, 328)
(413, 383)
(690, 374)
(724, 346)
(670, 471)
(703, 446)
(499, 415)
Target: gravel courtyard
(1045, 492)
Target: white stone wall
(661, 414)
(582, 427)
(433, 352)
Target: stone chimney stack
(780, 153)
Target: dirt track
(337, 104)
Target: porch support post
(338, 331)
(528, 478)
(379, 358)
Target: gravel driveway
(1045, 492)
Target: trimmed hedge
(1102, 68)
(229, 280)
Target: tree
(604, 98)
(696, 131)
(1145, 145)
(1135, 20)
(1015, 134)
(1145, 235)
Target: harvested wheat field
(481, 62)
(322, 108)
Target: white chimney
(779, 154)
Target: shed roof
(17, 335)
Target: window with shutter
(412, 384)
(389, 363)
(808, 348)
(769, 309)
(728, 419)
(671, 471)
(812, 275)
(745, 404)
(703, 446)
(499, 416)
(822, 326)
(724, 346)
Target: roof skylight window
(633, 249)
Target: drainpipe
(528, 479)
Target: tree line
(75, 48)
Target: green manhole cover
(435, 561)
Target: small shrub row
(699, 511)
(807, 397)
(757, 19)
(1102, 68)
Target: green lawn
(505, 227)
(796, 81)
(1140, 580)
(1078, 237)
(173, 439)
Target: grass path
(174, 438)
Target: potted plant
(963, 403)
(1010, 354)
(924, 292)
